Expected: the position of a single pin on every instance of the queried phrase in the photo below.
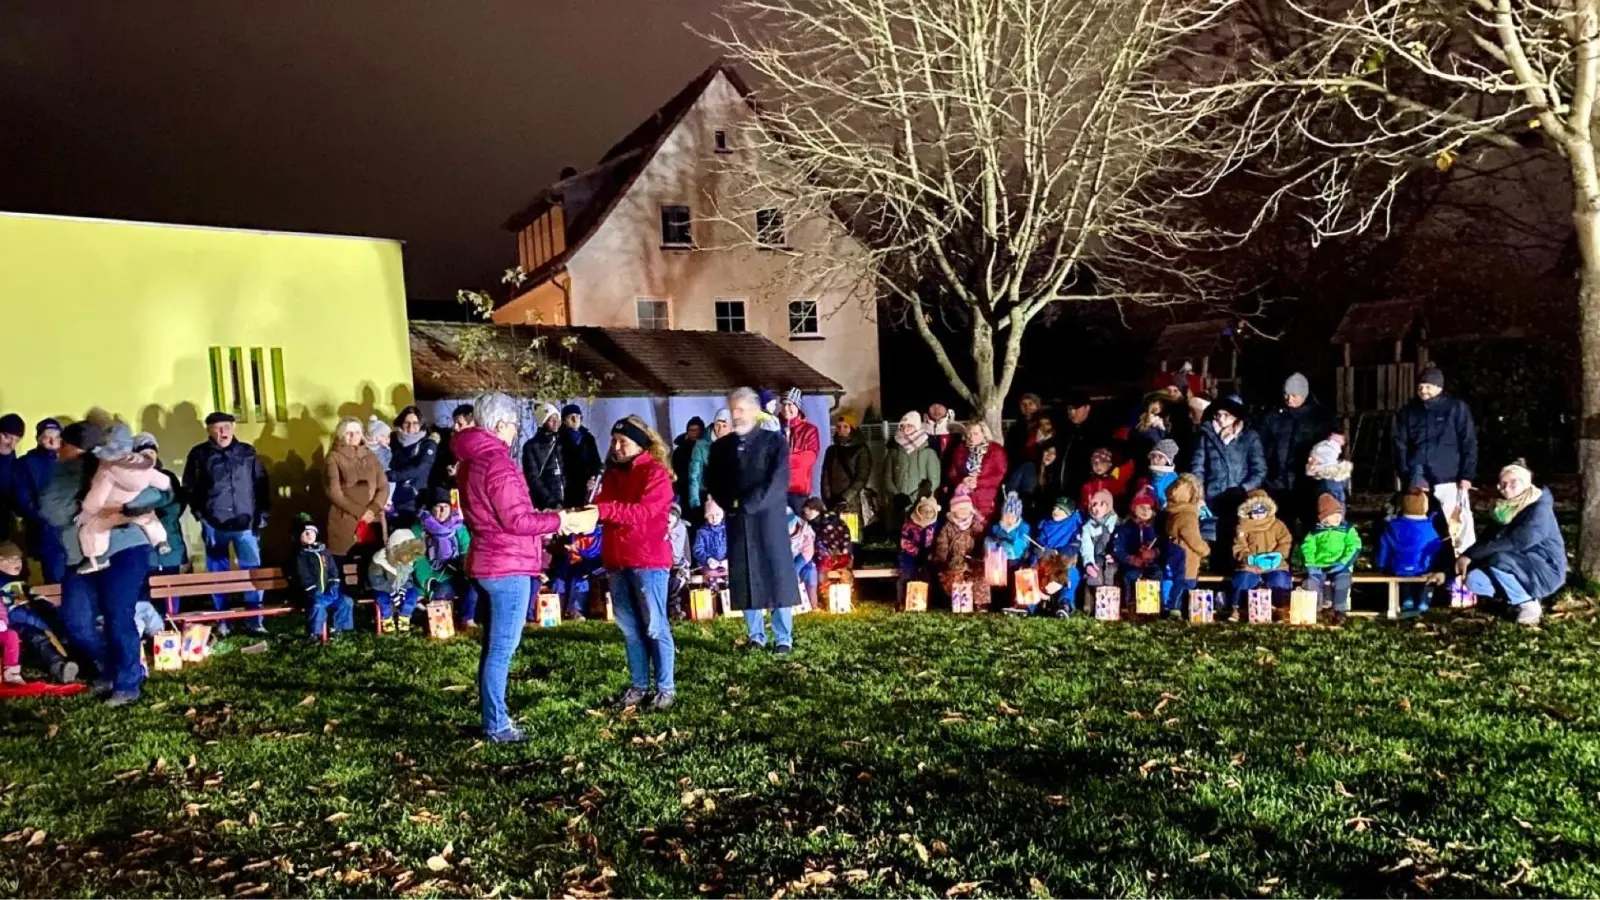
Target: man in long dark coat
(748, 475)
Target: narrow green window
(219, 381)
(280, 396)
(236, 377)
(258, 383)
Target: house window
(769, 228)
(803, 319)
(730, 315)
(242, 382)
(652, 313)
(719, 139)
(676, 227)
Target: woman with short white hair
(1525, 559)
(358, 490)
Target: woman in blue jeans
(634, 503)
(507, 553)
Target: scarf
(410, 440)
(975, 457)
(1506, 510)
(1162, 470)
(912, 444)
(1230, 434)
(961, 523)
(941, 427)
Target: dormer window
(719, 140)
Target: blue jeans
(1245, 582)
(465, 594)
(1317, 580)
(639, 602)
(1415, 596)
(1491, 582)
(807, 571)
(333, 599)
(782, 626)
(112, 593)
(246, 547)
(46, 541)
(408, 603)
(507, 612)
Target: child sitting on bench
(27, 622)
(318, 574)
(393, 586)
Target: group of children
(1166, 535)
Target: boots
(13, 675)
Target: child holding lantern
(958, 551)
(916, 545)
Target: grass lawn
(892, 755)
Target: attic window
(719, 140)
(677, 229)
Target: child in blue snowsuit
(322, 580)
(573, 571)
(711, 547)
(1059, 534)
(1137, 545)
(1410, 548)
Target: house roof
(627, 361)
(1385, 320)
(1191, 340)
(606, 183)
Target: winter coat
(410, 472)
(542, 468)
(1160, 483)
(1094, 539)
(682, 454)
(846, 467)
(805, 443)
(507, 534)
(1061, 536)
(1075, 444)
(315, 571)
(916, 545)
(1331, 548)
(1287, 436)
(1410, 547)
(447, 540)
(1014, 541)
(59, 505)
(1137, 545)
(914, 474)
(171, 516)
(695, 490)
(356, 484)
(1528, 548)
(958, 556)
(748, 476)
(1224, 467)
(580, 461)
(37, 466)
(227, 488)
(990, 474)
(1435, 442)
(710, 542)
(1258, 536)
(1183, 525)
(635, 501)
(833, 538)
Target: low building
(642, 240)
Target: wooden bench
(172, 588)
(1392, 582)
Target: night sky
(421, 120)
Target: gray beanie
(1431, 375)
(1167, 447)
(118, 442)
(1297, 385)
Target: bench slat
(230, 614)
(206, 589)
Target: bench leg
(1394, 599)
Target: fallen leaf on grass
(438, 864)
(962, 889)
(1038, 888)
(453, 688)
(1008, 709)
(821, 877)
(337, 817)
(310, 699)
(922, 852)
(940, 848)
(1406, 863)
(856, 876)
(37, 838)
(1341, 790)
(1200, 858)
(52, 731)
(1358, 823)
(1148, 767)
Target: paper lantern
(1303, 607)
(598, 605)
(1202, 606)
(701, 606)
(725, 597)
(840, 598)
(196, 643)
(994, 565)
(441, 620)
(916, 596)
(1258, 607)
(1108, 603)
(805, 599)
(852, 521)
(1460, 597)
(1027, 592)
(1147, 597)
(548, 610)
(169, 651)
(961, 597)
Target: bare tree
(994, 157)
(1368, 93)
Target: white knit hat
(548, 411)
(913, 418)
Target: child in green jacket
(1329, 552)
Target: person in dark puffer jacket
(1287, 436)
(227, 490)
(412, 455)
(542, 465)
(1436, 449)
(1229, 462)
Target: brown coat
(1257, 536)
(356, 484)
(958, 556)
(1183, 523)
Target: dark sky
(424, 120)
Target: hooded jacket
(1409, 547)
(805, 443)
(1259, 536)
(711, 542)
(1331, 547)
(1183, 524)
(1061, 536)
(507, 532)
(634, 500)
(1013, 541)
(845, 470)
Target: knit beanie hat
(792, 395)
(571, 409)
(547, 411)
(1013, 505)
(913, 418)
(926, 512)
(1326, 453)
(377, 429)
(845, 418)
(1414, 503)
(1167, 447)
(1328, 505)
(1101, 455)
(960, 501)
(304, 523)
(46, 425)
(12, 424)
(769, 400)
(1144, 498)
(1431, 375)
(1297, 385)
(83, 435)
(144, 440)
(1103, 496)
(1066, 505)
(724, 416)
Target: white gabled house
(641, 241)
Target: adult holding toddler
(1526, 559)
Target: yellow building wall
(123, 316)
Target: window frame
(764, 232)
(744, 314)
(816, 318)
(665, 317)
(719, 141)
(688, 224)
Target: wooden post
(1394, 599)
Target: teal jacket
(1014, 542)
(697, 471)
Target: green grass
(893, 755)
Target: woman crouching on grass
(1525, 560)
(634, 501)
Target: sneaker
(259, 629)
(783, 650)
(511, 734)
(122, 698)
(468, 624)
(1339, 619)
(64, 672)
(1014, 611)
(100, 689)
(403, 623)
(1062, 612)
(222, 630)
(1528, 613)
(663, 701)
(386, 626)
(13, 675)
(632, 697)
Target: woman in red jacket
(634, 500)
(507, 553)
(979, 465)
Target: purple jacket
(506, 532)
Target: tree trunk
(1586, 221)
(988, 395)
